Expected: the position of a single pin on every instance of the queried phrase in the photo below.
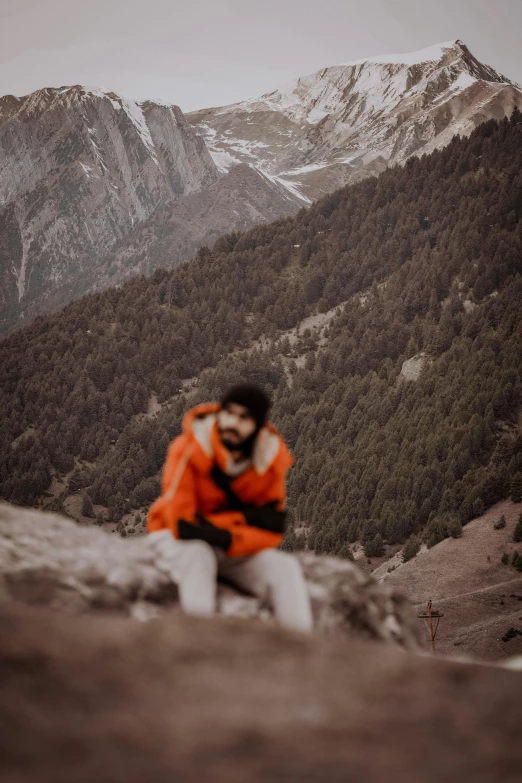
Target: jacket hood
(200, 426)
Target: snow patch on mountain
(224, 160)
(136, 116)
(97, 151)
(429, 54)
(306, 169)
(133, 111)
(291, 187)
(20, 275)
(86, 169)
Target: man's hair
(251, 397)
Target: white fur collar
(265, 448)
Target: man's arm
(232, 531)
(176, 508)
(267, 517)
(246, 539)
(178, 496)
(258, 527)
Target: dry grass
(466, 580)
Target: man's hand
(204, 531)
(266, 517)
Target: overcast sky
(199, 53)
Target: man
(221, 511)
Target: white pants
(270, 575)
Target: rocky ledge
(48, 560)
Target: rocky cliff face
(175, 231)
(345, 122)
(79, 168)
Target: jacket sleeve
(178, 501)
(248, 539)
(178, 496)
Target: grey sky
(199, 53)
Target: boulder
(411, 368)
(102, 697)
(49, 560)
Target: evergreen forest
(423, 261)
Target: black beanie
(251, 397)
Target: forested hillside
(427, 259)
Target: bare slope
(236, 202)
(481, 598)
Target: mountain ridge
(79, 169)
(324, 130)
(94, 184)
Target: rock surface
(237, 201)
(48, 560)
(411, 368)
(180, 699)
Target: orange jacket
(188, 489)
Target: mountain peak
(438, 55)
(322, 130)
(428, 54)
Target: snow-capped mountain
(81, 169)
(78, 168)
(344, 122)
(95, 187)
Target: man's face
(235, 424)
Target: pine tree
(411, 548)
(455, 528)
(374, 547)
(345, 552)
(516, 561)
(87, 507)
(517, 533)
(515, 489)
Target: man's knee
(182, 556)
(280, 573)
(283, 576)
(278, 566)
(198, 555)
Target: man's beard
(245, 446)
